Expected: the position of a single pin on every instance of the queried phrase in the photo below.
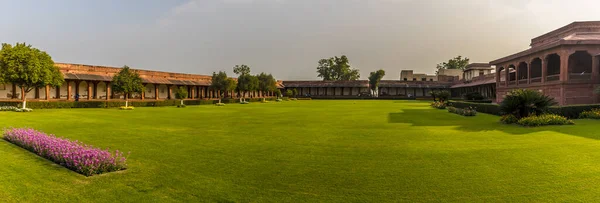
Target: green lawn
(307, 151)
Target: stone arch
(500, 74)
(536, 70)
(523, 71)
(553, 67)
(580, 66)
(150, 91)
(512, 74)
(101, 90)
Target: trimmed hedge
(479, 107)
(117, 104)
(569, 111)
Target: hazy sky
(284, 37)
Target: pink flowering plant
(73, 155)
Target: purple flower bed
(73, 155)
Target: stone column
(89, 90)
(544, 68)
(517, 69)
(69, 91)
(108, 91)
(506, 76)
(529, 72)
(595, 68)
(170, 91)
(156, 86)
(564, 66)
(193, 92)
(48, 92)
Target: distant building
(474, 70)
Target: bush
(544, 119)
(74, 155)
(126, 108)
(181, 106)
(493, 109)
(473, 96)
(509, 119)
(443, 95)
(572, 111)
(439, 105)
(593, 114)
(8, 108)
(464, 112)
(522, 103)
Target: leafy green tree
(294, 92)
(443, 95)
(277, 93)
(289, 93)
(266, 83)
(245, 82)
(336, 68)
(220, 82)
(455, 63)
(28, 68)
(434, 94)
(523, 102)
(374, 79)
(127, 81)
(181, 93)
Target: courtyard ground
(307, 151)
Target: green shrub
(438, 105)
(544, 119)
(509, 119)
(220, 104)
(593, 114)
(473, 96)
(522, 103)
(464, 112)
(572, 111)
(493, 109)
(443, 95)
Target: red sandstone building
(562, 64)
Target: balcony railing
(580, 76)
(553, 77)
(536, 80)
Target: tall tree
(336, 68)
(246, 82)
(28, 68)
(181, 93)
(220, 82)
(455, 63)
(374, 79)
(266, 83)
(127, 81)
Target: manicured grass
(307, 151)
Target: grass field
(307, 151)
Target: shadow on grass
(484, 122)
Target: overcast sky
(284, 37)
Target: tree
(336, 68)
(289, 93)
(294, 92)
(127, 81)
(181, 93)
(220, 82)
(454, 63)
(277, 93)
(374, 79)
(28, 68)
(246, 82)
(443, 96)
(266, 83)
(434, 94)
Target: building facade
(562, 64)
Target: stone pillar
(193, 92)
(595, 69)
(506, 76)
(156, 86)
(89, 90)
(47, 92)
(170, 91)
(14, 91)
(517, 75)
(544, 68)
(108, 91)
(564, 66)
(529, 72)
(69, 90)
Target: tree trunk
(182, 102)
(126, 101)
(24, 98)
